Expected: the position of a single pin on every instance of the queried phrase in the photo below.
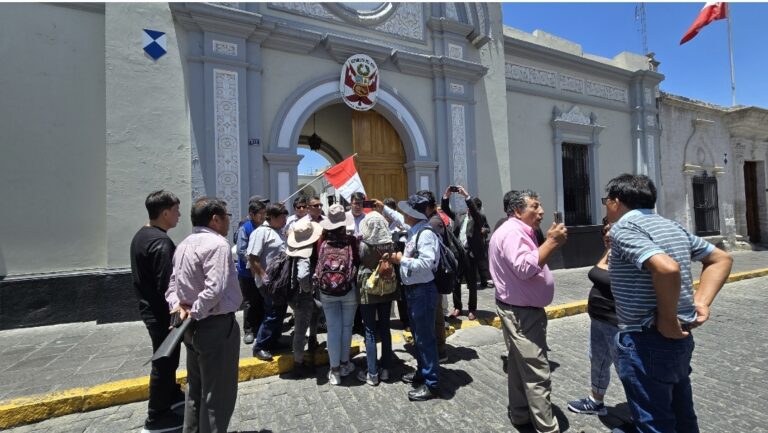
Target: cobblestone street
(729, 376)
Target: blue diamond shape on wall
(154, 43)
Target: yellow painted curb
(27, 410)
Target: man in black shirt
(151, 266)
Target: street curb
(27, 410)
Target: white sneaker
(370, 379)
(346, 368)
(334, 378)
(384, 374)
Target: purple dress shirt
(513, 259)
(204, 275)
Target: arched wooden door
(380, 156)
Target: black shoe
(312, 344)
(300, 371)
(248, 338)
(422, 393)
(412, 377)
(281, 347)
(504, 363)
(264, 355)
(170, 422)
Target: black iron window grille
(576, 185)
(706, 210)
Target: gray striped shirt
(636, 237)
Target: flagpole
(312, 181)
(730, 52)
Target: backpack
(382, 281)
(454, 244)
(279, 281)
(335, 270)
(446, 273)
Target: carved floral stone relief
(226, 115)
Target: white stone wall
(52, 168)
(694, 139)
(491, 135)
(148, 127)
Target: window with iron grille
(705, 205)
(576, 185)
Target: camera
(369, 204)
(453, 188)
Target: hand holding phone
(558, 217)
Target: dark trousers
(470, 275)
(402, 310)
(271, 327)
(163, 389)
(253, 305)
(422, 301)
(213, 352)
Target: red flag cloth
(344, 178)
(711, 11)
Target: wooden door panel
(380, 156)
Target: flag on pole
(344, 178)
(712, 11)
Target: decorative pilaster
(226, 115)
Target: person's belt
(504, 304)
(413, 286)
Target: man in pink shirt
(524, 286)
(204, 286)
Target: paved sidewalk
(729, 375)
(55, 358)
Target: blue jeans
(271, 327)
(602, 354)
(422, 302)
(340, 316)
(377, 327)
(655, 372)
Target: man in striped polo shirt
(650, 270)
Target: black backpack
(446, 273)
(279, 280)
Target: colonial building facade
(713, 173)
(92, 123)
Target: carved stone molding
(606, 91)
(457, 89)
(455, 51)
(405, 20)
(574, 115)
(226, 114)
(650, 120)
(571, 84)
(459, 144)
(224, 48)
(528, 74)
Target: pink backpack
(335, 271)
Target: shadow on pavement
(620, 417)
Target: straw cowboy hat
(414, 207)
(336, 218)
(301, 238)
(375, 229)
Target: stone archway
(421, 163)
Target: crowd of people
(345, 264)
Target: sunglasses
(301, 206)
(604, 200)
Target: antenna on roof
(642, 25)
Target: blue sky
(698, 69)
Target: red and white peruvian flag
(343, 176)
(712, 11)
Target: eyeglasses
(604, 200)
(301, 206)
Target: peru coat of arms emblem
(359, 84)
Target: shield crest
(359, 84)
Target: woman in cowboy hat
(376, 294)
(335, 281)
(301, 248)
